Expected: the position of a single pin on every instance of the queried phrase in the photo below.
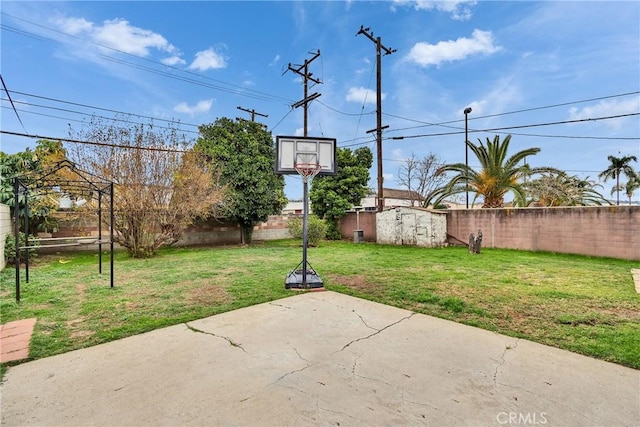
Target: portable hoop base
(294, 280)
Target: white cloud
(73, 26)
(201, 107)
(453, 50)
(118, 34)
(362, 95)
(173, 60)
(606, 108)
(460, 10)
(274, 61)
(208, 59)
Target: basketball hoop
(307, 170)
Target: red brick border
(15, 338)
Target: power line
(46, 98)
(343, 113)
(520, 127)
(12, 104)
(282, 119)
(115, 119)
(426, 124)
(101, 144)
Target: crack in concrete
(377, 331)
(280, 305)
(355, 375)
(363, 321)
(299, 355)
(295, 371)
(291, 388)
(503, 360)
(229, 340)
(337, 413)
(435, 408)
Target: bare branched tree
(161, 186)
(419, 176)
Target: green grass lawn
(583, 304)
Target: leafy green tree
(28, 165)
(332, 196)
(617, 167)
(246, 155)
(498, 174)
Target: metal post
(111, 231)
(466, 148)
(379, 123)
(305, 233)
(99, 231)
(26, 237)
(16, 231)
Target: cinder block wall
(348, 224)
(5, 229)
(276, 228)
(608, 231)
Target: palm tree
(560, 189)
(498, 174)
(618, 166)
(630, 187)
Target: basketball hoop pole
(305, 277)
(305, 230)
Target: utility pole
(303, 71)
(253, 113)
(379, 127)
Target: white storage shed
(412, 226)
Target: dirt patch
(132, 305)
(74, 322)
(357, 282)
(75, 335)
(81, 288)
(208, 294)
(623, 312)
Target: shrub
(10, 246)
(316, 229)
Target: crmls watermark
(522, 418)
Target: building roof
(393, 193)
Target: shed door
(408, 229)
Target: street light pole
(466, 147)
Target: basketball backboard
(301, 149)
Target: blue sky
(516, 64)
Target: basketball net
(307, 170)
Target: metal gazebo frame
(86, 181)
